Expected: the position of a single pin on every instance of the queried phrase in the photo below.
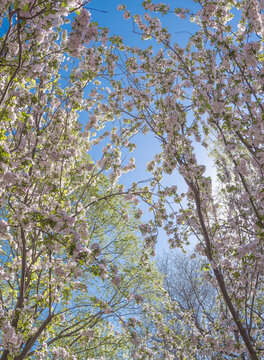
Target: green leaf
(25, 8)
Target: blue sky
(180, 30)
(113, 18)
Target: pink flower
(116, 280)
(132, 321)
(121, 7)
(126, 15)
(135, 340)
(108, 310)
(88, 333)
(3, 226)
(95, 246)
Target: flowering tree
(57, 206)
(209, 93)
(69, 248)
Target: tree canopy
(77, 278)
